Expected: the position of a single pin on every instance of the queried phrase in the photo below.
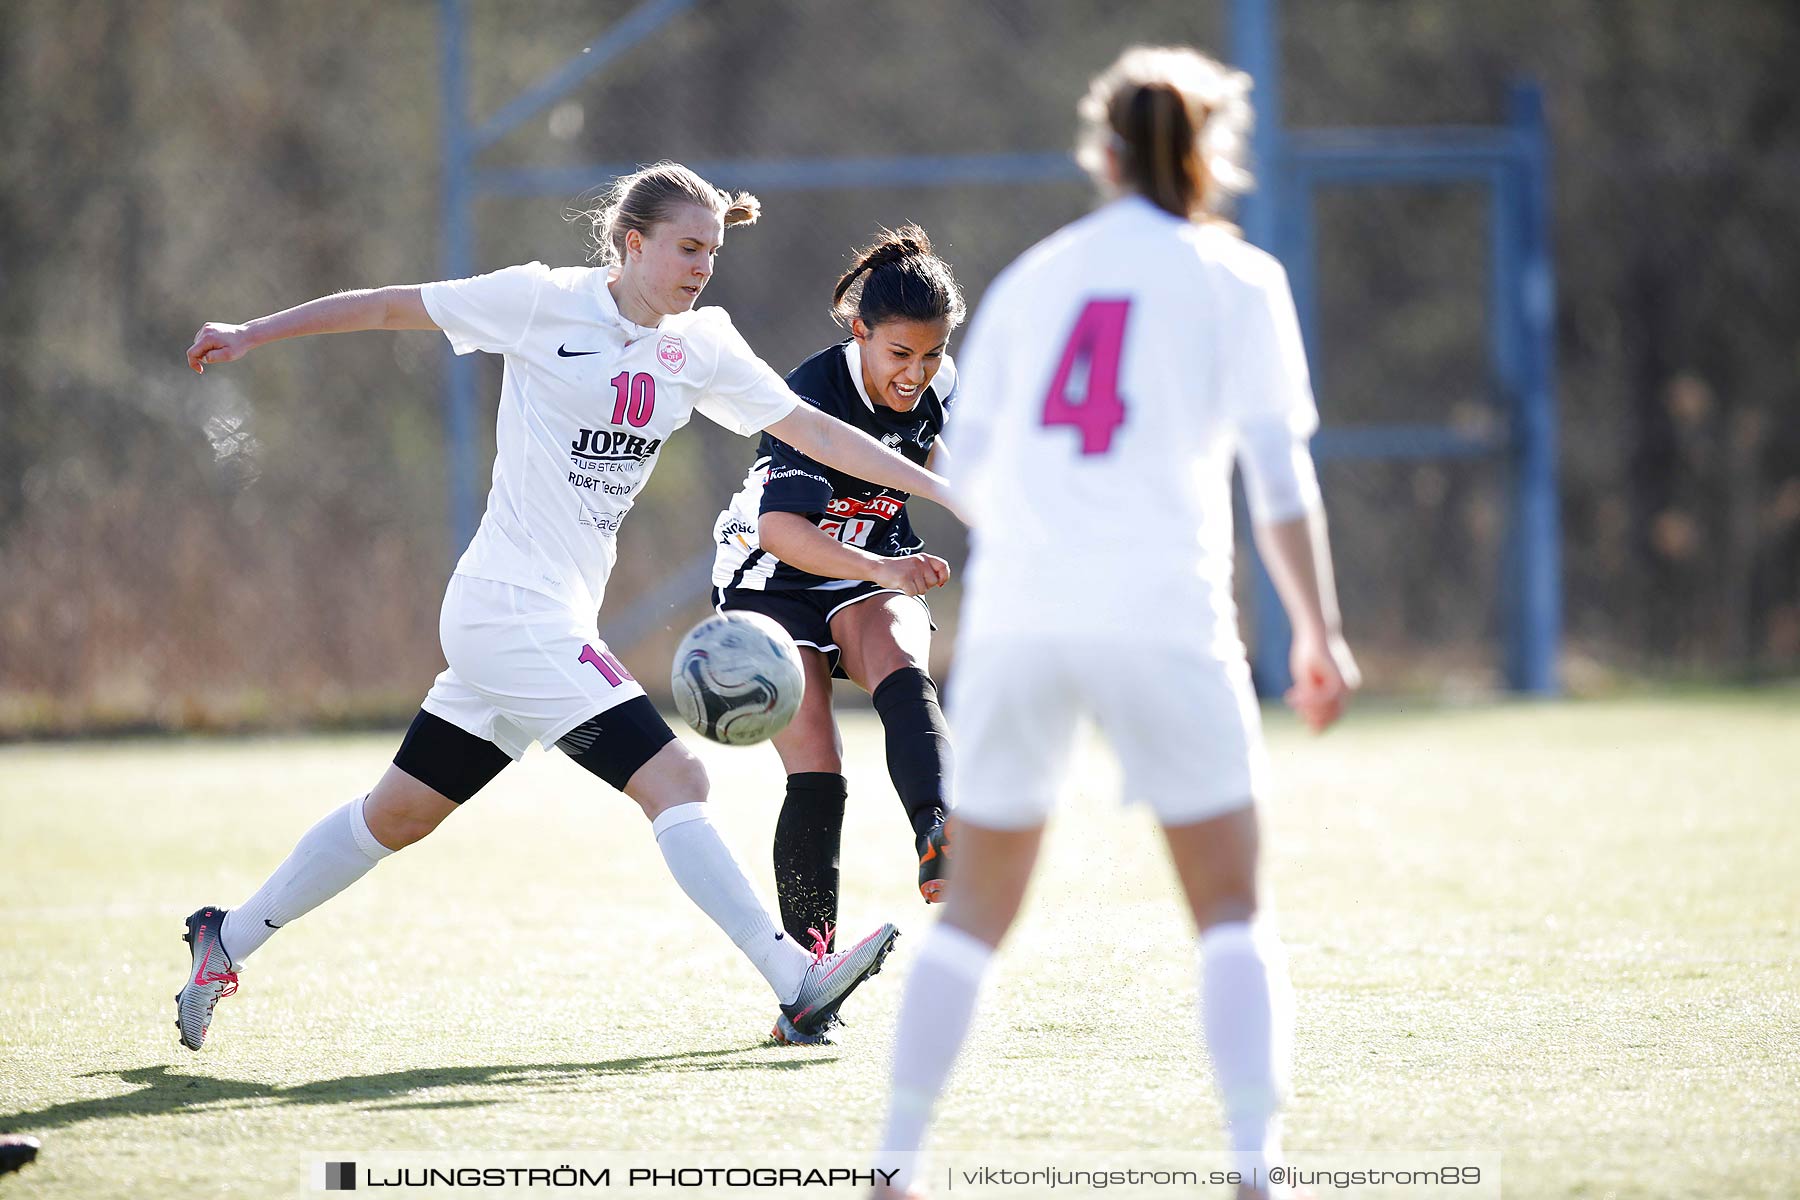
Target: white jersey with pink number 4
(1109, 374)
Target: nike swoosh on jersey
(563, 351)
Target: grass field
(1566, 933)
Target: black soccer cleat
(16, 1149)
(785, 1034)
(934, 863)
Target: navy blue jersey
(853, 510)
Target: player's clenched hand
(216, 343)
(1324, 676)
(915, 574)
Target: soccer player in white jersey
(602, 366)
(834, 560)
(1122, 366)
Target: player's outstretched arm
(830, 441)
(799, 543)
(1297, 553)
(398, 307)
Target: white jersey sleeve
(1265, 373)
(746, 395)
(969, 430)
(1268, 393)
(491, 312)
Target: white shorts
(1183, 723)
(523, 667)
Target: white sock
(334, 854)
(1246, 1011)
(704, 867)
(935, 1014)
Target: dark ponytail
(898, 277)
(1160, 156)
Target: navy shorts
(806, 612)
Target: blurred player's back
(1113, 376)
(1108, 372)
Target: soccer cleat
(786, 1034)
(212, 980)
(830, 979)
(16, 1149)
(934, 863)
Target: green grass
(1567, 933)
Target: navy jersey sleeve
(796, 483)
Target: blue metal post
(460, 464)
(623, 37)
(1506, 355)
(1536, 535)
(1256, 48)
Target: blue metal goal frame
(1512, 161)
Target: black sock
(807, 836)
(918, 745)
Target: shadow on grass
(165, 1091)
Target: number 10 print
(610, 668)
(634, 398)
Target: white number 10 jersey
(1112, 374)
(587, 402)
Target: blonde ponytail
(647, 197)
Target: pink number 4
(1090, 362)
(609, 667)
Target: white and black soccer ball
(737, 678)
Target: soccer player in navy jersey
(834, 560)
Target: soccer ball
(737, 678)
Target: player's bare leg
(401, 810)
(886, 646)
(881, 635)
(1216, 863)
(1246, 1008)
(811, 741)
(672, 777)
(994, 866)
(986, 906)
